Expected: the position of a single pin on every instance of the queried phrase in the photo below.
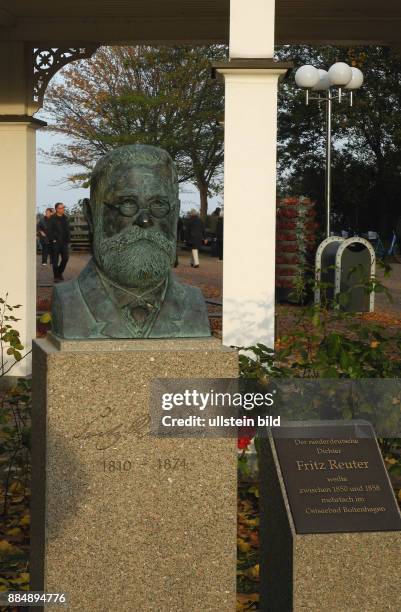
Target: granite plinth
(334, 572)
(122, 520)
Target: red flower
(243, 443)
(245, 435)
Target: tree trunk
(203, 200)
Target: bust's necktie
(141, 309)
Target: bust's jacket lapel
(108, 317)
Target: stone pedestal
(322, 571)
(122, 520)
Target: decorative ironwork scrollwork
(46, 62)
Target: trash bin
(325, 262)
(347, 264)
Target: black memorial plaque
(335, 477)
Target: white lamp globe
(340, 74)
(323, 82)
(356, 80)
(306, 76)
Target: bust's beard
(135, 258)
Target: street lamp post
(339, 76)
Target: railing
(79, 231)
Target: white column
(18, 224)
(18, 191)
(249, 205)
(251, 78)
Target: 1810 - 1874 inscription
(335, 478)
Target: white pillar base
(18, 237)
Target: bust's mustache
(124, 241)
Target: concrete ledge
(23, 119)
(175, 344)
(251, 65)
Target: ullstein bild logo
(196, 399)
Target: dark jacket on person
(219, 229)
(43, 226)
(59, 229)
(195, 232)
(180, 230)
(214, 217)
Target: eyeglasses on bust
(130, 208)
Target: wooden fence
(79, 233)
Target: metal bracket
(43, 65)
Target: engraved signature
(106, 436)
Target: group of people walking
(54, 237)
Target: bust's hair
(143, 155)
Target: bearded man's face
(135, 221)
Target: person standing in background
(59, 237)
(214, 218)
(195, 236)
(43, 232)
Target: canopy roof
(74, 22)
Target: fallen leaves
(14, 491)
(248, 549)
(6, 548)
(381, 317)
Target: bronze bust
(127, 290)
